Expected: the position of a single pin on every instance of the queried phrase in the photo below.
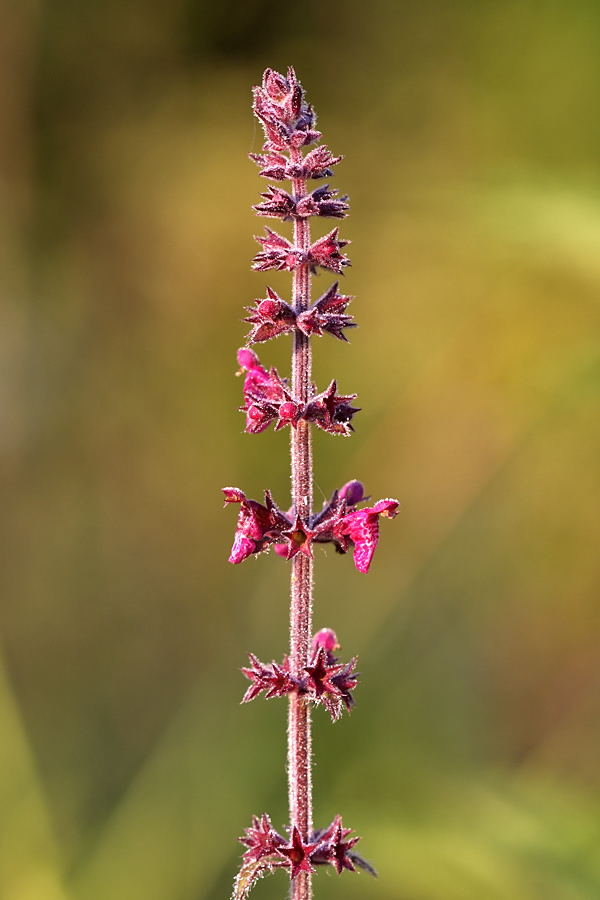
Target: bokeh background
(471, 135)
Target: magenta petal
(243, 547)
(365, 536)
(362, 527)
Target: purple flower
(352, 492)
(339, 523)
(327, 681)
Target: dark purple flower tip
(288, 121)
(280, 97)
(298, 853)
(327, 639)
(278, 103)
(326, 253)
(352, 492)
(327, 314)
(362, 527)
(345, 681)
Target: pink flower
(257, 527)
(362, 527)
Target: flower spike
(312, 675)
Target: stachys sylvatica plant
(311, 675)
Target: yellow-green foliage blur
(471, 135)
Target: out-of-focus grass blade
(29, 861)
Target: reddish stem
(299, 731)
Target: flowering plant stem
(311, 675)
(299, 723)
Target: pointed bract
(327, 314)
(332, 411)
(261, 839)
(298, 853)
(278, 253)
(275, 680)
(326, 253)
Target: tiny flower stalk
(311, 675)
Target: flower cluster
(339, 522)
(268, 399)
(267, 849)
(273, 316)
(324, 681)
(311, 675)
(279, 204)
(280, 254)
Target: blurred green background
(471, 134)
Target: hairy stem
(299, 731)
